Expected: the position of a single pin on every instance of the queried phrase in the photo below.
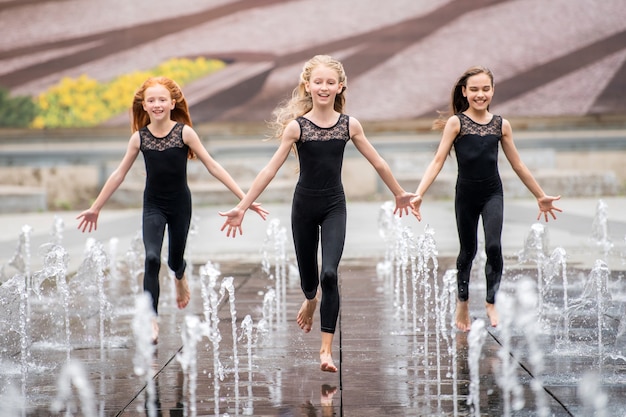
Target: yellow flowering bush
(83, 101)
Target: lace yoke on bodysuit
(476, 148)
(166, 161)
(174, 139)
(320, 153)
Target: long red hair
(180, 112)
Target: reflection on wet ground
(558, 351)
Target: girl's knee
(328, 279)
(493, 250)
(153, 260)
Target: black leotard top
(166, 162)
(476, 148)
(320, 152)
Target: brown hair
(180, 112)
(458, 102)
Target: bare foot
(492, 313)
(305, 315)
(463, 321)
(326, 363)
(183, 295)
(155, 331)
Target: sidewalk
(387, 366)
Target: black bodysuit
(166, 201)
(319, 205)
(479, 194)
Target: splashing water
(73, 374)
(595, 297)
(535, 247)
(11, 403)
(193, 331)
(57, 231)
(95, 264)
(526, 301)
(144, 347)
(228, 287)
(208, 281)
(247, 326)
(22, 258)
(265, 325)
(55, 265)
(512, 391)
(113, 272)
(475, 339)
(390, 229)
(447, 308)
(275, 240)
(134, 258)
(20, 281)
(405, 244)
(599, 229)
(209, 273)
(593, 399)
(557, 265)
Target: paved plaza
(396, 356)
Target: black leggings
(176, 214)
(473, 200)
(315, 211)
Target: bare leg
(305, 315)
(155, 331)
(463, 321)
(183, 295)
(326, 355)
(492, 313)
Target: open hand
(88, 220)
(546, 206)
(260, 211)
(403, 201)
(232, 224)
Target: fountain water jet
(507, 378)
(144, 347)
(228, 287)
(193, 331)
(599, 229)
(73, 374)
(475, 339)
(276, 240)
(247, 326)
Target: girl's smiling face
(323, 85)
(158, 102)
(479, 91)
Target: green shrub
(16, 111)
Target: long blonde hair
(301, 101)
(180, 112)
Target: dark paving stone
(386, 368)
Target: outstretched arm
(234, 217)
(89, 218)
(191, 138)
(450, 132)
(380, 165)
(544, 201)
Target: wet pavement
(397, 353)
